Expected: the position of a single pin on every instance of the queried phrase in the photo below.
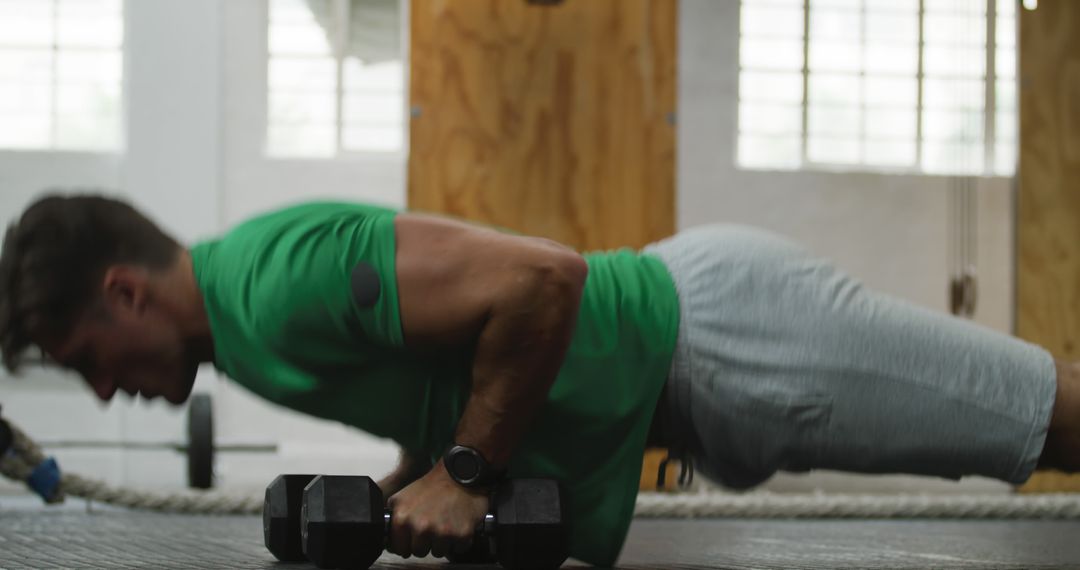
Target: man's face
(137, 358)
(128, 344)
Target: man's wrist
(469, 468)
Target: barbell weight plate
(200, 449)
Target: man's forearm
(518, 356)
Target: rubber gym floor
(71, 536)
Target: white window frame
(342, 18)
(990, 78)
(54, 48)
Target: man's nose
(104, 387)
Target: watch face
(464, 466)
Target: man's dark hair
(54, 258)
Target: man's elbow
(574, 269)
(554, 280)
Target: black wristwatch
(469, 468)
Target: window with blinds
(61, 74)
(895, 85)
(335, 78)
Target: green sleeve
(306, 283)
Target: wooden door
(1048, 203)
(551, 120)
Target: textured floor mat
(73, 538)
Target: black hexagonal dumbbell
(281, 517)
(344, 523)
(529, 529)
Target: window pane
(766, 21)
(891, 6)
(769, 119)
(953, 126)
(387, 77)
(24, 98)
(954, 94)
(1005, 96)
(864, 89)
(954, 29)
(952, 158)
(1006, 125)
(889, 124)
(88, 99)
(298, 39)
(1005, 34)
(373, 109)
(891, 91)
(326, 77)
(61, 74)
(757, 151)
(298, 11)
(374, 106)
(847, 4)
(25, 29)
(30, 66)
(87, 131)
(292, 107)
(313, 74)
(1005, 62)
(37, 9)
(22, 130)
(771, 54)
(370, 138)
(832, 150)
(888, 27)
(895, 59)
(781, 3)
(70, 8)
(828, 120)
(765, 87)
(890, 153)
(834, 89)
(835, 26)
(302, 140)
(955, 6)
(831, 56)
(93, 32)
(954, 61)
(1005, 158)
(83, 67)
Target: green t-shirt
(287, 326)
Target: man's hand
(435, 515)
(410, 467)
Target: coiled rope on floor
(25, 457)
(760, 504)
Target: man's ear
(126, 288)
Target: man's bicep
(452, 275)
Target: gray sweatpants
(785, 363)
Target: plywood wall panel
(1048, 201)
(1048, 228)
(549, 120)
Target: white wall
(891, 231)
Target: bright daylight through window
(61, 74)
(335, 78)
(893, 85)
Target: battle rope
(24, 461)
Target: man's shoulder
(290, 270)
(307, 215)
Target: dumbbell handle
(487, 528)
